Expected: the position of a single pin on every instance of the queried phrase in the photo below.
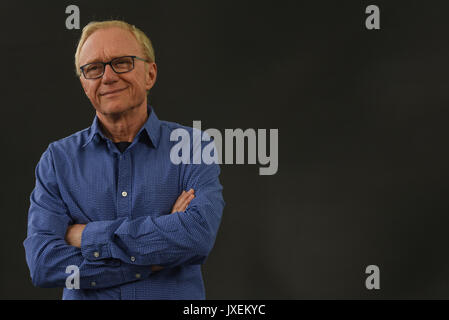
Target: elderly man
(108, 202)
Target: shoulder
(175, 130)
(70, 144)
(169, 126)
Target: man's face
(116, 93)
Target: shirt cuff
(95, 241)
(120, 274)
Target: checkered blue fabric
(125, 200)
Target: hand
(183, 201)
(73, 234)
(156, 268)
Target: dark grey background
(362, 118)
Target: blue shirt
(125, 200)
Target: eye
(124, 62)
(91, 68)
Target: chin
(113, 107)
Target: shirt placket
(124, 186)
(124, 191)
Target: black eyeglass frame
(112, 67)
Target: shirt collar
(151, 126)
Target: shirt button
(124, 194)
(138, 275)
(133, 259)
(93, 283)
(96, 254)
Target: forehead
(105, 44)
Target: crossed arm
(113, 252)
(74, 232)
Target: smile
(112, 92)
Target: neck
(123, 126)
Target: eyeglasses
(95, 70)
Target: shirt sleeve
(47, 253)
(168, 240)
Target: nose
(109, 75)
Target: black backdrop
(362, 118)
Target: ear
(150, 75)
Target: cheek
(92, 96)
(137, 84)
(92, 92)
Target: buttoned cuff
(134, 273)
(114, 273)
(95, 241)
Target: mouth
(112, 92)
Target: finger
(187, 202)
(179, 200)
(156, 268)
(182, 199)
(184, 195)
